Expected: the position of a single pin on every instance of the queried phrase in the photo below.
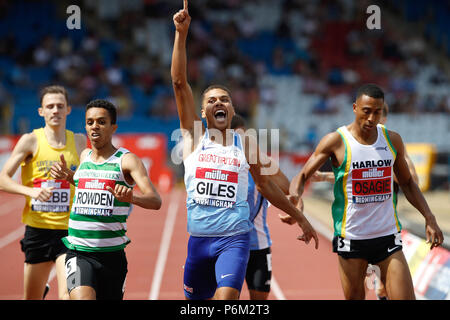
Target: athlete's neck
(223, 137)
(56, 136)
(103, 153)
(366, 137)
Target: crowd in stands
(122, 53)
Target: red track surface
(300, 271)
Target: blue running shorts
(214, 262)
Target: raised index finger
(185, 5)
(61, 157)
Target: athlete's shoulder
(80, 142)
(395, 137)
(130, 159)
(334, 135)
(129, 155)
(27, 142)
(332, 139)
(84, 154)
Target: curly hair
(105, 104)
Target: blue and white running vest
(259, 236)
(216, 179)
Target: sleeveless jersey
(216, 179)
(97, 220)
(364, 199)
(259, 236)
(54, 213)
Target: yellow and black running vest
(54, 213)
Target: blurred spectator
(311, 137)
(267, 95)
(165, 107)
(121, 99)
(122, 53)
(44, 53)
(5, 111)
(325, 105)
(279, 65)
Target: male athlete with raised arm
(217, 162)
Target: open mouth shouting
(220, 116)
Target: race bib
(59, 200)
(92, 197)
(371, 184)
(215, 187)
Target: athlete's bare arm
(183, 93)
(412, 192)
(23, 151)
(323, 176)
(279, 178)
(412, 168)
(80, 142)
(330, 146)
(135, 172)
(266, 185)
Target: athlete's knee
(355, 295)
(353, 292)
(258, 295)
(226, 293)
(83, 293)
(64, 296)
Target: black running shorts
(259, 270)
(373, 250)
(42, 245)
(105, 272)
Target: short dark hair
(105, 104)
(216, 86)
(371, 90)
(53, 89)
(237, 122)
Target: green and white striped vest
(97, 220)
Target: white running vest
(216, 179)
(364, 199)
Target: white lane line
(164, 246)
(12, 236)
(321, 228)
(52, 274)
(276, 289)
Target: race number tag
(59, 200)
(92, 197)
(398, 239)
(71, 266)
(343, 244)
(371, 184)
(215, 187)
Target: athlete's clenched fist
(121, 193)
(182, 19)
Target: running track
(157, 252)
